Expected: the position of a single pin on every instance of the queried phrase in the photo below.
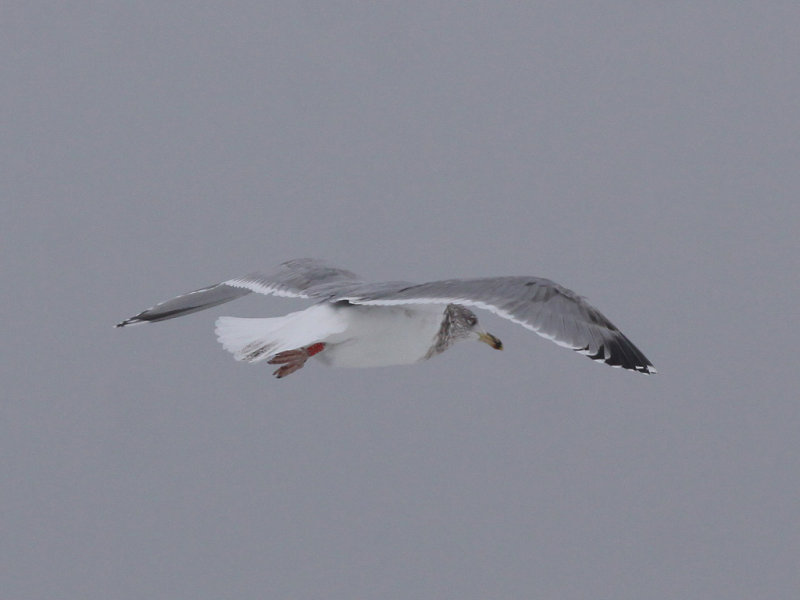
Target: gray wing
(541, 305)
(301, 278)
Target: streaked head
(463, 325)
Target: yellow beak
(488, 338)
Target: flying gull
(354, 323)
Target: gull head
(463, 325)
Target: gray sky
(643, 154)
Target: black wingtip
(131, 321)
(646, 369)
(623, 354)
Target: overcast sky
(644, 154)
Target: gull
(354, 323)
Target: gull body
(354, 336)
(412, 331)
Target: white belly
(379, 336)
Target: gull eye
(472, 320)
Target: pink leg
(293, 360)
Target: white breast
(378, 336)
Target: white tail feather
(250, 340)
(253, 340)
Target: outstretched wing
(541, 305)
(301, 278)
